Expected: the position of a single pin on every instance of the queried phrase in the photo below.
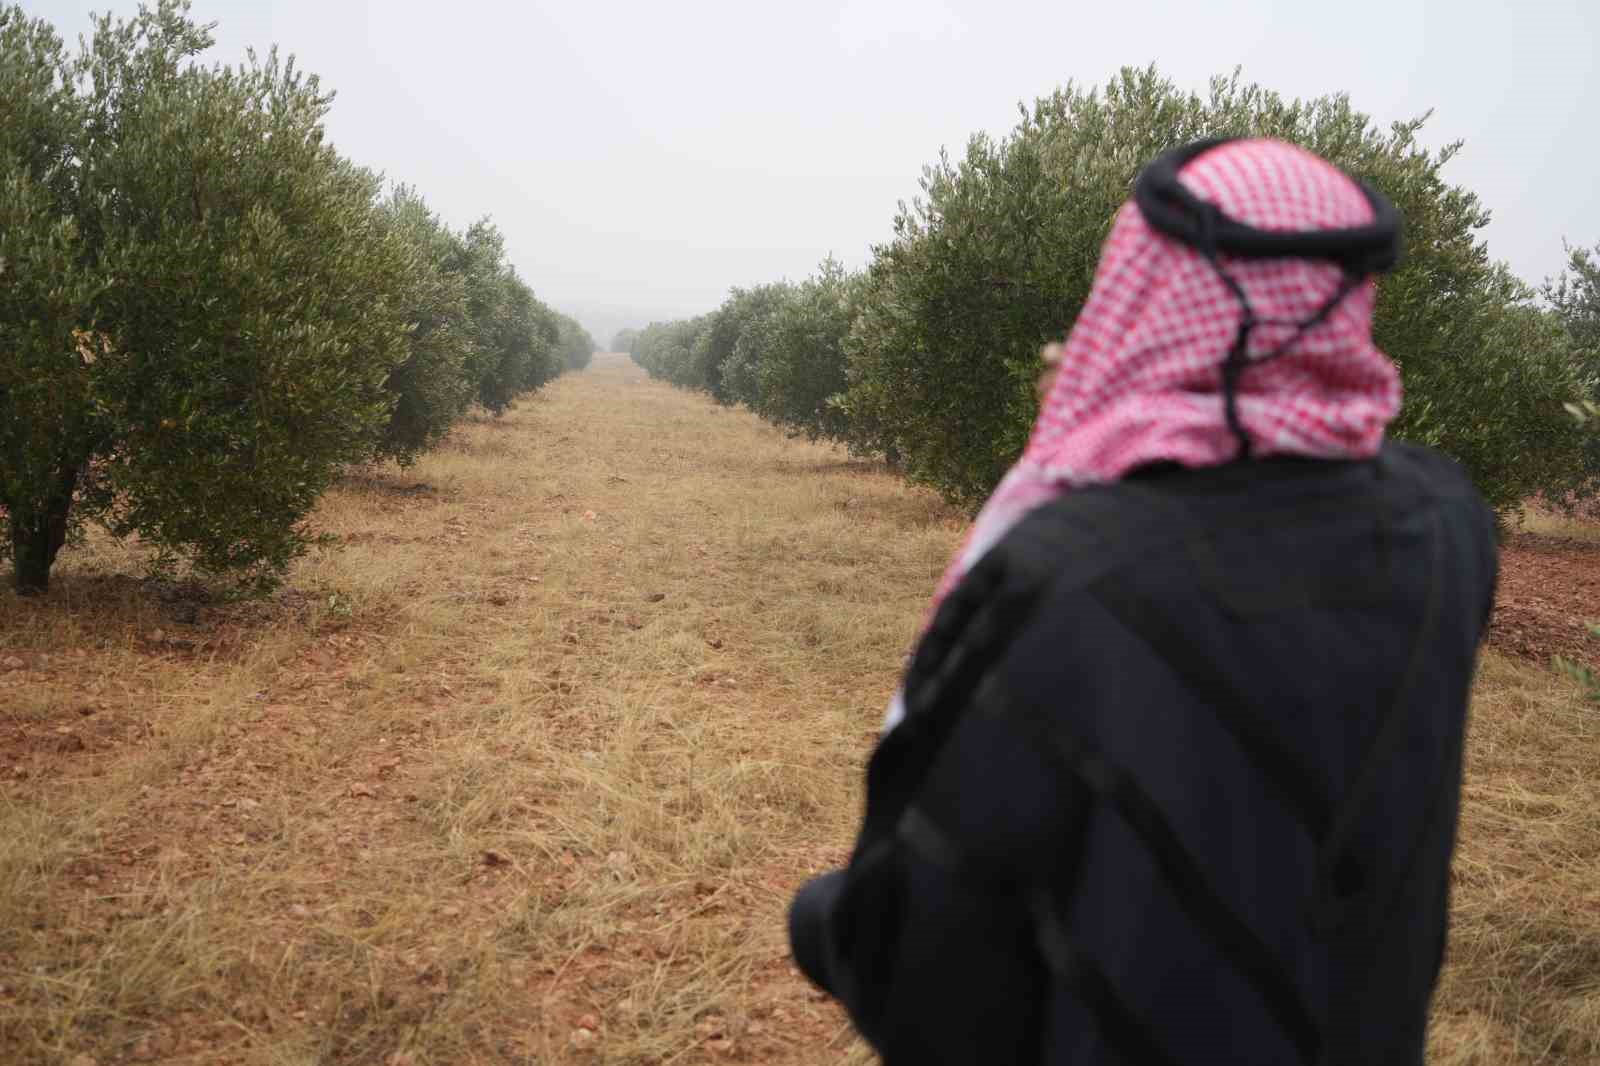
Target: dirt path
(525, 768)
(523, 771)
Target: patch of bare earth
(524, 769)
(1549, 594)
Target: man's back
(1179, 777)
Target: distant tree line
(929, 356)
(206, 311)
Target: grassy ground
(525, 769)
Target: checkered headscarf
(1141, 370)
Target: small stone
(146, 1050)
(495, 858)
(589, 1021)
(300, 910)
(12, 662)
(158, 635)
(584, 1038)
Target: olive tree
(798, 348)
(196, 296)
(1574, 300)
(431, 387)
(729, 376)
(577, 346)
(997, 254)
(665, 350)
(1574, 297)
(624, 340)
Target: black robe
(1178, 780)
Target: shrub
(1502, 420)
(731, 373)
(624, 340)
(664, 350)
(800, 359)
(431, 387)
(577, 347)
(515, 339)
(997, 255)
(196, 304)
(1575, 297)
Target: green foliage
(47, 414)
(205, 312)
(511, 345)
(577, 347)
(201, 290)
(798, 350)
(431, 388)
(665, 349)
(931, 357)
(1586, 413)
(1575, 298)
(1502, 421)
(1585, 676)
(624, 340)
(727, 356)
(998, 254)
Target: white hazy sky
(644, 157)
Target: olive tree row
(777, 349)
(206, 311)
(995, 258)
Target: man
(1174, 774)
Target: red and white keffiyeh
(1141, 377)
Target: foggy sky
(643, 157)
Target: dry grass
(1552, 523)
(542, 746)
(526, 768)
(1523, 983)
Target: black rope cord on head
(1238, 359)
(1172, 209)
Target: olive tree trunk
(38, 532)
